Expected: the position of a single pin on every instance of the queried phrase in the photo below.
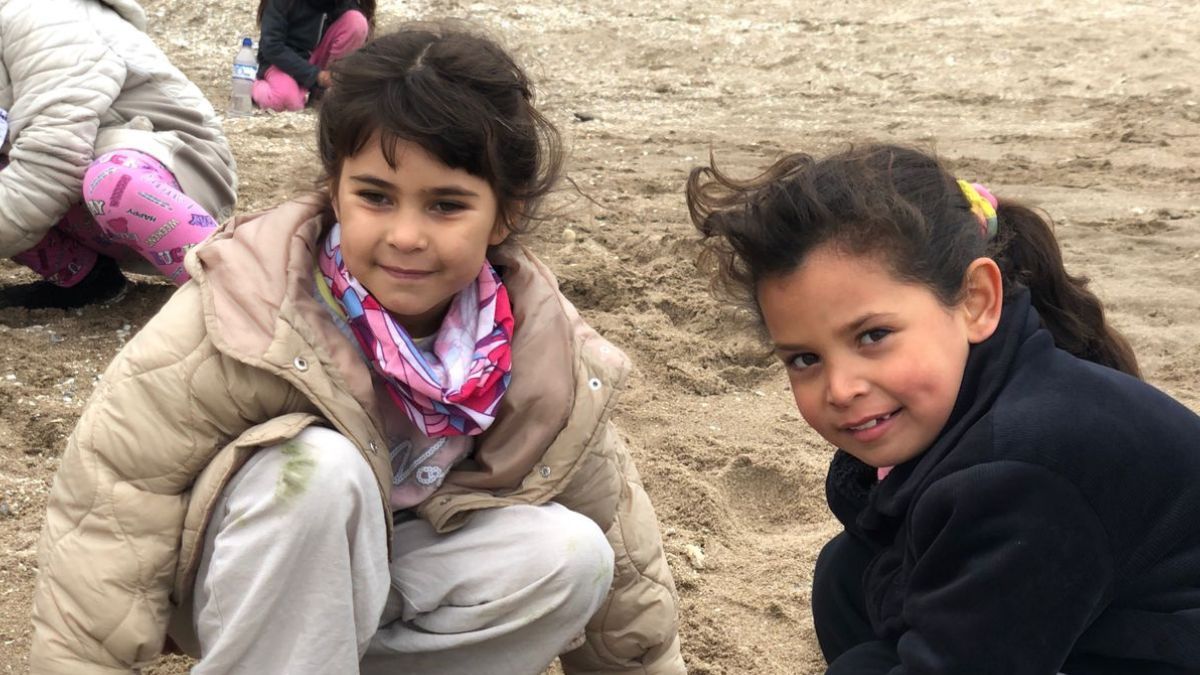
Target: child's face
(875, 364)
(416, 235)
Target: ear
(499, 233)
(500, 229)
(983, 298)
(333, 198)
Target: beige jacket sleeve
(107, 554)
(63, 79)
(636, 629)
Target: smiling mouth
(873, 422)
(405, 273)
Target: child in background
(380, 369)
(111, 157)
(1015, 499)
(300, 39)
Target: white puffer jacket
(79, 78)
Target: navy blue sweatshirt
(1054, 525)
(291, 30)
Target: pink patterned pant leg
(137, 203)
(344, 36)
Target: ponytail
(262, 8)
(1029, 256)
(367, 7)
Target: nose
(406, 232)
(843, 384)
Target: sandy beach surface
(1088, 108)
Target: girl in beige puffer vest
(393, 320)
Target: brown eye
(373, 198)
(448, 208)
(802, 361)
(873, 336)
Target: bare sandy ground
(1086, 107)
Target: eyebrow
(849, 329)
(440, 191)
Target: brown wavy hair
(459, 96)
(904, 207)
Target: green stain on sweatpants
(296, 472)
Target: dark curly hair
(905, 208)
(459, 96)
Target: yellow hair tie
(983, 205)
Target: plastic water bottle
(245, 71)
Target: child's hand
(325, 79)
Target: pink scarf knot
(456, 388)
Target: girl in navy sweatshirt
(299, 41)
(1015, 499)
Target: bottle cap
(247, 42)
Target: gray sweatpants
(294, 577)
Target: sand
(1088, 108)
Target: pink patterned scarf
(453, 390)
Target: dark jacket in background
(1053, 526)
(291, 30)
